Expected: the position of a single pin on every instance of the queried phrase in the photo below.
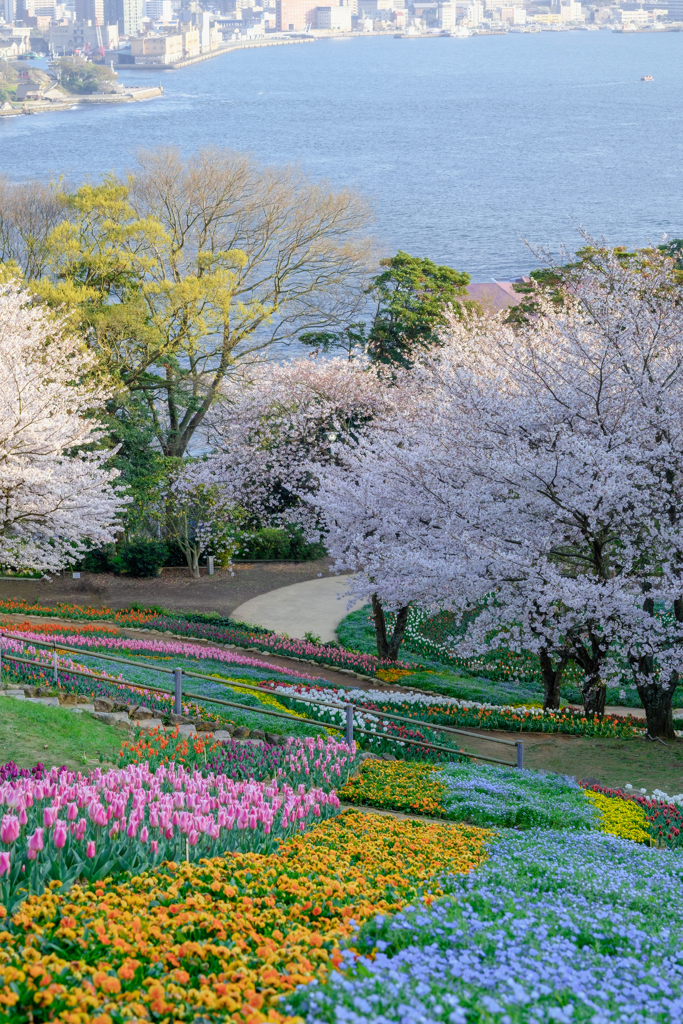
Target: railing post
(520, 753)
(209, 564)
(178, 681)
(54, 665)
(349, 724)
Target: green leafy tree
(83, 77)
(411, 296)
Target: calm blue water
(466, 147)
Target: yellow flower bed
(623, 818)
(263, 698)
(403, 785)
(392, 675)
(224, 938)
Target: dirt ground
(613, 763)
(174, 588)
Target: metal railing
(178, 693)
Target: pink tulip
(72, 813)
(144, 834)
(193, 837)
(90, 849)
(9, 831)
(23, 817)
(49, 816)
(131, 830)
(4, 863)
(154, 846)
(35, 842)
(59, 835)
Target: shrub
(140, 557)
(276, 544)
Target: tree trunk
(594, 693)
(388, 648)
(658, 703)
(552, 679)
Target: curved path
(315, 606)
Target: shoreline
(249, 44)
(130, 95)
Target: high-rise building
(295, 15)
(675, 10)
(90, 10)
(128, 17)
(158, 10)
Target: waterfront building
(447, 17)
(295, 15)
(636, 18)
(333, 19)
(157, 49)
(512, 15)
(191, 43)
(675, 10)
(471, 14)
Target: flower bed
(65, 827)
(320, 762)
(620, 818)
(436, 710)
(221, 940)
(552, 927)
(479, 794)
(662, 821)
(223, 631)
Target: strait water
(466, 147)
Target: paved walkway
(316, 606)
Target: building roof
(495, 295)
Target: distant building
(512, 15)
(67, 37)
(470, 14)
(90, 10)
(637, 18)
(157, 49)
(447, 16)
(159, 10)
(295, 15)
(333, 19)
(675, 10)
(128, 16)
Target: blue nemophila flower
(562, 927)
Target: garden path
(313, 606)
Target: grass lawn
(30, 733)
(612, 762)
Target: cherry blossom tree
(273, 419)
(535, 473)
(56, 494)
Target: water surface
(466, 146)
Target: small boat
(647, 78)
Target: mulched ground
(174, 588)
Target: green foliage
(274, 544)
(412, 295)
(350, 339)
(140, 557)
(83, 77)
